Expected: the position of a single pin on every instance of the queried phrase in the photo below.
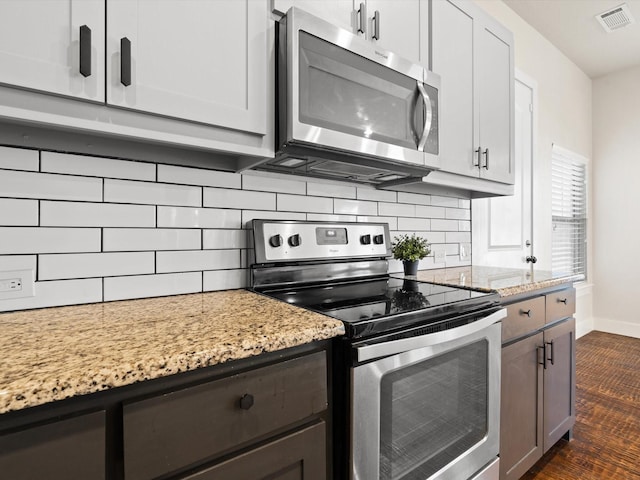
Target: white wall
(616, 149)
(564, 118)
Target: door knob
(531, 259)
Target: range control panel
(284, 241)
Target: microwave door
(347, 101)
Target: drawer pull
(562, 300)
(246, 401)
(526, 312)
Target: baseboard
(584, 326)
(628, 329)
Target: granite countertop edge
(62, 352)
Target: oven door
(346, 93)
(427, 407)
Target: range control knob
(294, 240)
(275, 241)
(365, 239)
(378, 239)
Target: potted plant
(410, 249)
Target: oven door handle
(379, 350)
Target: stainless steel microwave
(350, 109)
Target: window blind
(569, 212)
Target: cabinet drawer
(72, 449)
(561, 304)
(172, 431)
(301, 455)
(523, 317)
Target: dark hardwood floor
(606, 443)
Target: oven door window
(433, 411)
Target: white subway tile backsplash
(249, 215)
(84, 214)
(458, 213)
(330, 190)
(148, 193)
(415, 224)
(440, 225)
(49, 186)
(370, 193)
(326, 217)
(185, 217)
(430, 212)
(238, 199)
(29, 240)
(54, 294)
(133, 229)
(198, 176)
(252, 181)
(391, 221)
(19, 159)
(141, 239)
(18, 262)
(18, 212)
(142, 286)
(197, 260)
(224, 280)
(438, 201)
(221, 239)
(396, 210)
(87, 265)
(355, 207)
(299, 203)
(458, 237)
(414, 198)
(54, 162)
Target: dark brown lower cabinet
(70, 449)
(298, 456)
(538, 392)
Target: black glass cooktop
(385, 304)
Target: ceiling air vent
(615, 18)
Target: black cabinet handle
(544, 355)
(486, 159)
(85, 51)
(125, 61)
(526, 312)
(376, 25)
(531, 259)
(246, 401)
(562, 300)
(478, 153)
(551, 351)
(361, 18)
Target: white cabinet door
(40, 46)
(338, 12)
(495, 72)
(194, 60)
(395, 26)
(453, 59)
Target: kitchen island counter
(56, 353)
(506, 281)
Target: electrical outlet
(439, 255)
(16, 284)
(465, 251)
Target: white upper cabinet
(40, 46)
(395, 26)
(337, 12)
(473, 54)
(189, 59)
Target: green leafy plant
(410, 248)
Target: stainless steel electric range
(417, 375)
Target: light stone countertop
(506, 281)
(56, 353)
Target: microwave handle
(395, 347)
(428, 117)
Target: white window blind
(569, 212)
